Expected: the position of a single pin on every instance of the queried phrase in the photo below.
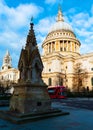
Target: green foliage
(79, 78)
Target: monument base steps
(18, 118)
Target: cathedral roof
(60, 23)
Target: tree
(80, 75)
(5, 86)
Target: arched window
(92, 81)
(49, 81)
(60, 81)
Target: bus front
(52, 92)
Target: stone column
(48, 47)
(55, 45)
(71, 47)
(51, 47)
(63, 45)
(67, 46)
(76, 48)
(58, 45)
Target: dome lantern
(60, 23)
(60, 15)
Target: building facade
(63, 63)
(8, 74)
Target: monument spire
(60, 15)
(31, 40)
(27, 66)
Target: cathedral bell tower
(6, 61)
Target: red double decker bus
(57, 92)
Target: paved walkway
(78, 119)
(91, 99)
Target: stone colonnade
(62, 45)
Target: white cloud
(72, 10)
(22, 13)
(42, 29)
(83, 32)
(44, 24)
(80, 20)
(19, 16)
(13, 20)
(10, 40)
(85, 48)
(82, 23)
(14, 25)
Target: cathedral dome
(61, 38)
(60, 23)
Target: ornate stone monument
(30, 94)
(30, 100)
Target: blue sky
(15, 18)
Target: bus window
(62, 93)
(51, 91)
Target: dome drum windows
(51, 47)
